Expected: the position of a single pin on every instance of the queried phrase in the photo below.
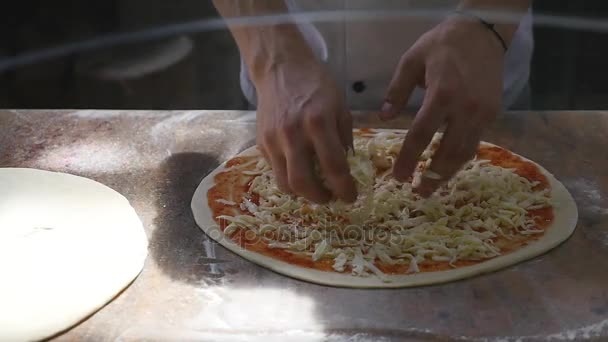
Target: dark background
(568, 70)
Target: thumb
(409, 73)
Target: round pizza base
(68, 245)
(564, 223)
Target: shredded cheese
(388, 223)
(225, 202)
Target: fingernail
(387, 107)
(387, 111)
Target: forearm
(264, 47)
(515, 8)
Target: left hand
(460, 64)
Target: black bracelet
(489, 26)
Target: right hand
(301, 114)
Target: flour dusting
(596, 330)
(586, 332)
(91, 157)
(589, 196)
(171, 121)
(107, 114)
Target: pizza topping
(340, 262)
(320, 250)
(388, 224)
(225, 202)
(413, 264)
(431, 174)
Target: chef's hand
(301, 115)
(460, 63)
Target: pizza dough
(68, 245)
(564, 223)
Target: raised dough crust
(68, 245)
(564, 223)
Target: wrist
(276, 48)
(506, 32)
(503, 15)
(502, 33)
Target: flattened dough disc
(564, 223)
(68, 245)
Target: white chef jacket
(363, 54)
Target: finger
(458, 146)
(301, 177)
(260, 140)
(262, 150)
(408, 74)
(334, 165)
(279, 167)
(345, 129)
(428, 120)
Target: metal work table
(157, 158)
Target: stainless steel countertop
(157, 158)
